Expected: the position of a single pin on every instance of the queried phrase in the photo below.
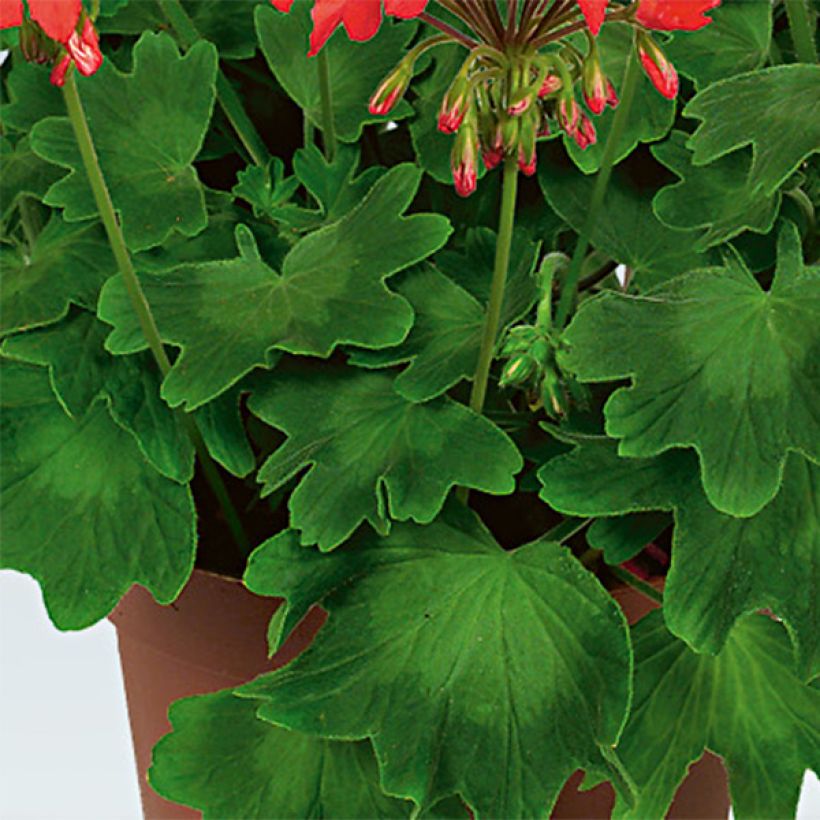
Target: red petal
(361, 19)
(406, 9)
(282, 5)
(11, 13)
(57, 18)
(667, 15)
(594, 12)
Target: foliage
(456, 433)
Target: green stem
(326, 94)
(570, 286)
(228, 99)
(116, 240)
(566, 529)
(647, 590)
(492, 319)
(802, 30)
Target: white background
(65, 748)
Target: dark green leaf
(732, 370)
(373, 454)
(627, 229)
(737, 40)
(745, 705)
(624, 536)
(24, 173)
(475, 671)
(148, 127)
(68, 265)
(228, 315)
(719, 197)
(31, 96)
(722, 567)
(775, 110)
(222, 759)
(82, 511)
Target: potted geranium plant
(455, 328)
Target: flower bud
(454, 106)
(551, 84)
(526, 154)
(518, 370)
(58, 73)
(585, 134)
(598, 90)
(35, 45)
(391, 89)
(568, 114)
(659, 70)
(464, 160)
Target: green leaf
(719, 197)
(623, 537)
(442, 346)
(732, 370)
(355, 68)
(148, 127)
(475, 671)
(226, 762)
(81, 370)
(67, 265)
(627, 229)
(228, 315)
(228, 26)
(373, 454)
(650, 117)
(81, 509)
(766, 114)
(24, 173)
(745, 705)
(722, 567)
(736, 41)
(32, 97)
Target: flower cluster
(57, 32)
(519, 79)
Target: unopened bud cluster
(501, 102)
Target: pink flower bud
(516, 109)
(454, 106)
(595, 84)
(568, 114)
(527, 162)
(611, 95)
(585, 135)
(390, 90)
(551, 84)
(659, 70)
(463, 161)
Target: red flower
(659, 70)
(594, 12)
(361, 18)
(667, 15)
(59, 19)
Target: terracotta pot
(214, 636)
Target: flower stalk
(105, 206)
(569, 289)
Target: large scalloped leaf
(775, 110)
(225, 761)
(722, 567)
(65, 487)
(373, 454)
(475, 671)
(719, 197)
(745, 705)
(732, 370)
(355, 69)
(148, 127)
(228, 315)
(67, 265)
